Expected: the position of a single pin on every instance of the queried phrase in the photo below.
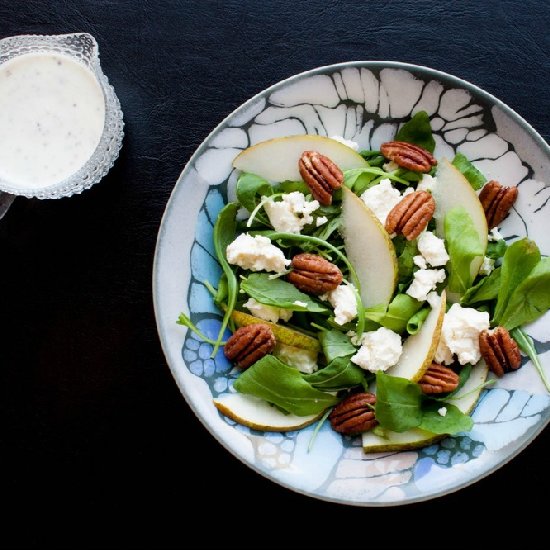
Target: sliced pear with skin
(419, 349)
(259, 415)
(451, 190)
(369, 249)
(465, 399)
(277, 159)
(284, 335)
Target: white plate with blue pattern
(364, 102)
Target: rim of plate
(160, 329)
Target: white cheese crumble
(419, 261)
(427, 183)
(300, 304)
(256, 254)
(267, 313)
(291, 213)
(380, 350)
(302, 359)
(351, 144)
(442, 411)
(433, 299)
(425, 280)
(381, 199)
(342, 299)
(391, 166)
(321, 220)
(460, 335)
(495, 235)
(433, 249)
(487, 266)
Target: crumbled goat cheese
(433, 299)
(320, 221)
(379, 350)
(427, 183)
(391, 166)
(494, 235)
(267, 313)
(433, 249)
(460, 335)
(425, 280)
(343, 301)
(300, 304)
(442, 411)
(381, 199)
(256, 254)
(302, 359)
(420, 262)
(487, 266)
(352, 144)
(291, 213)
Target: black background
(97, 446)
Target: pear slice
(465, 399)
(260, 415)
(284, 335)
(419, 349)
(277, 159)
(451, 190)
(369, 249)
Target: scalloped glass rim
(82, 47)
(164, 262)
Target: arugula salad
(369, 289)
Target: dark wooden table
(97, 446)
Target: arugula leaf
(417, 320)
(409, 175)
(401, 309)
(463, 245)
(469, 171)
(221, 293)
(530, 299)
(224, 233)
(406, 251)
(526, 344)
(283, 386)
(291, 186)
(418, 131)
(374, 158)
(398, 403)
(496, 249)
(279, 293)
(453, 422)
(486, 289)
(249, 186)
(360, 179)
(518, 262)
(339, 374)
(335, 344)
(185, 321)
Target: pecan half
(500, 351)
(409, 156)
(321, 175)
(438, 379)
(249, 344)
(313, 274)
(497, 201)
(411, 215)
(354, 415)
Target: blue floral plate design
(364, 102)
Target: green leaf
(418, 131)
(526, 344)
(401, 309)
(291, 186)
(360, 179)
(279, 293)
(224, 233)
(518, 262)
(469, 171)
(335, 344)
(417, 320)
(283, 386)
(398, 403)
(339, 374)
(453, 422)
(406, 251)
(496, 249)
(530, 299)
(463, 245)
(185, 321)
(409, 175)
(486, 289)
(249, 187)
(221, 293)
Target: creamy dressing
(52, 113)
